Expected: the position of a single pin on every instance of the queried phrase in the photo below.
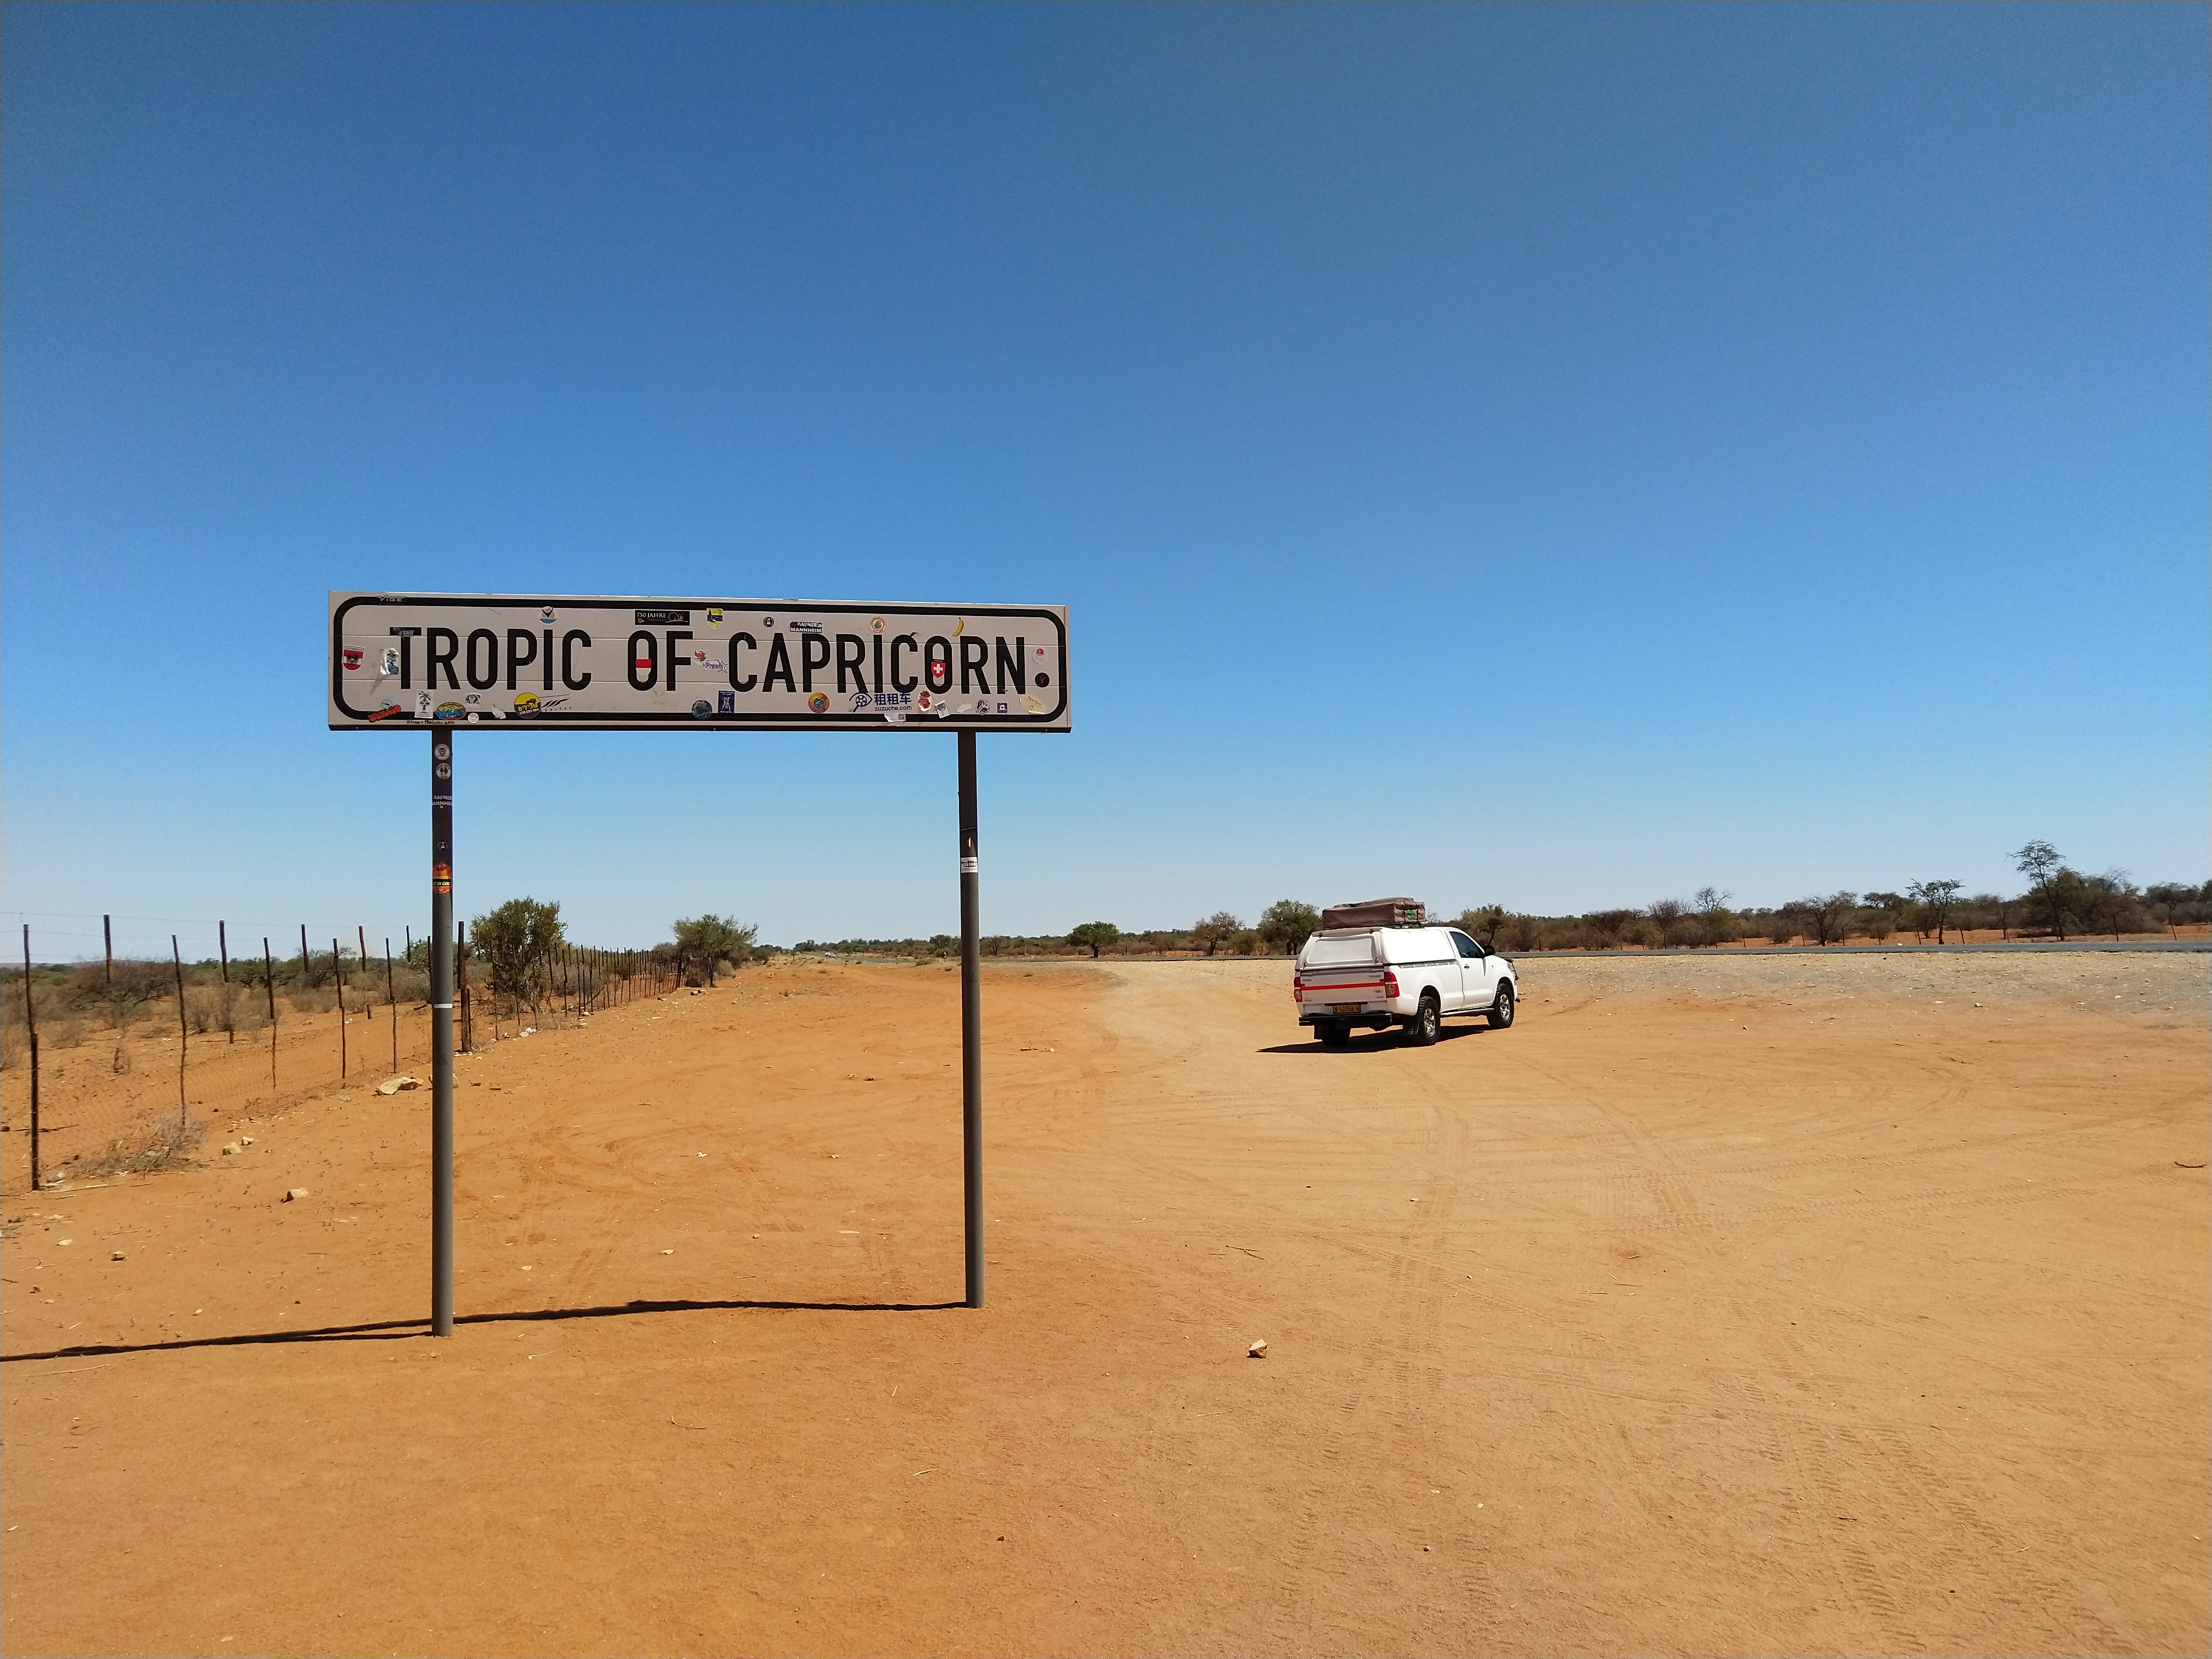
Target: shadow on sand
(1368, 1041)
(390, 1330)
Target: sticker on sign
(536, 663)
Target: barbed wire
(198, 937)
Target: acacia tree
(516, 944)
(1215, 930)
(1718, 921)
(1936, 900)
(710, 940)
(2108, 901)
(1287, 924)
(1093, 936)
(1992, 904)
(2044, 865)
(1602, 929)
(1829, 918)
(1882, 913)
(2172, 897)
(1482, 922)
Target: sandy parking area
(1754, 1305)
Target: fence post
(183, 1031)
(391, 1001)
(107, 935)
(461, 970)
(269, 983)
(31, 1021)
(337, 972)
(361, 933)
(305, 969)
(222, 945)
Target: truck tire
(1335, 1033)
(1427, 1024)
(1501, 1011)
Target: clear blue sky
(1563, 456)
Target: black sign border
(832, 721)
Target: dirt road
(1764, 1306)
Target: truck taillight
(1389, 983)
(1297, 989)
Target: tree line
(2057, 902)
(519, 952)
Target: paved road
(2029, 946)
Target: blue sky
(1565, 456)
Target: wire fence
(122, 1061)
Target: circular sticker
(702, 709)
(525, 706)
(819, 702)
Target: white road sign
(535, 662)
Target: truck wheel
(1333, 1032)
(1501, 1011)
(1427, 1024)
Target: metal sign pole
(971, 1022)
(441, 1031)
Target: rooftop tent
(1376, 913)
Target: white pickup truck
(1378, 977)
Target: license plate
(1344, 1007)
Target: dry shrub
(164, 1143)
(312, 1000)
(234, 1007)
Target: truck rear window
(1323, 952)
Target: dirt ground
(1746, 1305)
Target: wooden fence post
(31, 1022)
(269, 982)
(337, 971)
(392, 999)
(183, 1031)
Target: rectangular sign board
(535, 662)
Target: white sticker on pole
(968, 867)
(537, 662)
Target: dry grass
(165, 1144)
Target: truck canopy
(1361, 947)
(1352, 948)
